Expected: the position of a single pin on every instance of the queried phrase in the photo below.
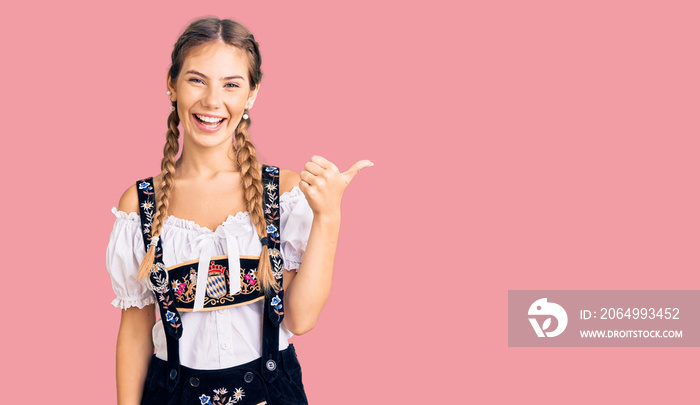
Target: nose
(212, 97)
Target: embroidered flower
(205, 400)
(148, 204)
(144, 185)
(271, 186)
(221, 391)
(169, 316)
(273, 170)
(272, 230)
(276, 302)
(237, 395)
(250, 278)
(178, 287)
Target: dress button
(248, 377)
(271, 365)
(194, 381)
(224, 345)
(173, 374)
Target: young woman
(235, 256)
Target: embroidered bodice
(212, 338)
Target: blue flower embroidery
(145, 186)
(169, 316)
(272, 230)
(271, 170)
(205, 400)
(276, 302)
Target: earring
(245, 114)
(167, 92)
(172, 108)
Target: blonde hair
(197, 33)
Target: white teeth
(210, 120)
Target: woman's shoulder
(129, 201)
(288, 180)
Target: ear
(251, 97)
(171, 88)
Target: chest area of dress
(219, 285)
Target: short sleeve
(125, 251)
(296, 217)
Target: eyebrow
(194, 72)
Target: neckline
(239, 217)
(191, 225)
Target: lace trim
(130, 302)
(241, 216)
(291, 194)
(132, 216)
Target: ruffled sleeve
(296, 217)
(125, 252)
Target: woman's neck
(206, 162)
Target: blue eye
(194, 79)
(233, 84)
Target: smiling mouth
(208, 121)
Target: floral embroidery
(144, 185)
(237, 395)
(185, 288)
(272, 169)
(148, 211)
(250, 278)
(276, 303)
(249, 281)
(179, 288)
(270, 186)
(220, 397)
(158, 279)
(272, 230)
(170, 317)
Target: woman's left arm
(306, 292)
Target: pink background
(518, 145)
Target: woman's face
(212, 92)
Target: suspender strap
(160, 284)
(147, 209)
(273, 313)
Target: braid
(251, 176)
(167, 165)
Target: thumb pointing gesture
(323, 184)
(354, 169)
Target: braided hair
(200, 32)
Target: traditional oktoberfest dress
(225, 342)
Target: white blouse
(210, 339)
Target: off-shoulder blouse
(210, 339)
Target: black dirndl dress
(275, 377)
